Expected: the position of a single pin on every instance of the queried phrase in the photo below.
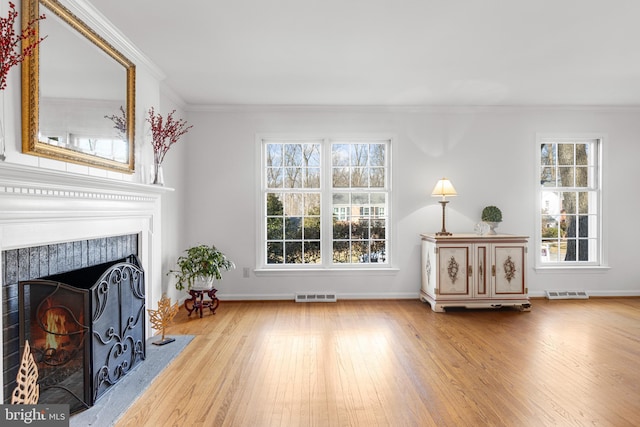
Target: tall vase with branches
(15, 47)
(164, 133)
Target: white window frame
(326, 207)
(598, 252)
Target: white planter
(203, 284)
(492, 227)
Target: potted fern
(492, 215)
(200, 267)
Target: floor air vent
(316, 297)
(567, 295)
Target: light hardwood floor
(397, 363)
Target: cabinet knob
(493, 270)
(470, 271)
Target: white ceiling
(389, 52)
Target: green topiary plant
(201, 263)
(491, 214)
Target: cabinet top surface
(472, 236)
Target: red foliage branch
(120, 123)
(10, 54)
(165, 133)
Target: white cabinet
(468, 270)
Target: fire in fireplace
(86, 329)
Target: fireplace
(86, 329)
(54, 221)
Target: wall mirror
(78, 93)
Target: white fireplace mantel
(40, 206)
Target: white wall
(488, 153)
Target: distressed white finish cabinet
(468, 270)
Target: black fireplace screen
(86, 329)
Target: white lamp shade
(444, 188)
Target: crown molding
(436, 109)
(91, 16)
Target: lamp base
(444, 231)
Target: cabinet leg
(437, 308)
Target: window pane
(378, 229)
(582, 177)
(274, 155)
(293, 228)
(340, 177)
(377, 155)
(377, 253)
(582, 154)
(569, 202)
(312, 204)
(548, 177)
(274, 204)
(359, 228)
(341, 252)
(566, 155)
(312, 227)
(275, 229)
(312, 155)
(312, 253)
(359, 177)
(552, 251)
(293, 252)
(293, 177)
(359, 155)
(379, 199)
(275, 253)
(550, 203)
(292, 154)
(359, 251)
(274, 177)
(566, 177)
(341, 229)
(312, 178)
(360, 199)
(376, 177)
(293, 204)
(583, 202)
(548, 154)
(340, 155)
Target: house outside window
(325, 203)
(569, 224)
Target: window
(569, 222)
(325, 202)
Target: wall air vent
(316, 297)
(567, 295)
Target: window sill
(367, 271)
(572, 269)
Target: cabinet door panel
(428, 268)
(481, 270)
(509, 269)
(453, 270)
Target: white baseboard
(595, 293)
(291, 296)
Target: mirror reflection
(81, 100)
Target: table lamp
(443, 188)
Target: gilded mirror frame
(31, 92)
